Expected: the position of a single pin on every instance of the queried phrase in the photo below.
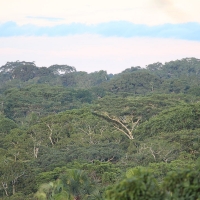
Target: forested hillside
(68, 134)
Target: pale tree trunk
(13, 189)
(50, 135)
(122, 127)
(35, 151)
(89, 132)
(5, 187)
(36, 145)
(14, 182)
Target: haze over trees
(68, 134)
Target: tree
(124, 124)
(140, 185)
(10, 172)
(52, 191)
(6, 125)
(183, 116)
(73, 185)
(77, 184)
(184, 184)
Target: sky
(94, 35)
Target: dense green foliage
(141, 184)
(76, 135)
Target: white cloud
(93, 53)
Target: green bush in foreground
(142, 185)
(182, 185)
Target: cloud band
(185, 31)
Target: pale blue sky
(185, 31)
(93, 35)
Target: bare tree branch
(122, 124)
